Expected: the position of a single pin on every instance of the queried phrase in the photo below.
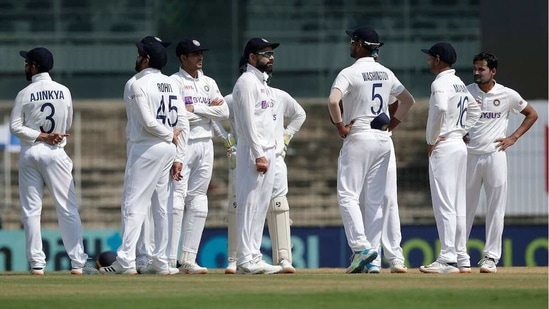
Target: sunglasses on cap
(266, 54)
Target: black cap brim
(427, 51)
(24, 54)
(349, 33)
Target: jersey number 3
(49, 117)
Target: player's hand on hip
(344, 130)
(262, 164)
(175, 171)
(431, 148)
(504, 143)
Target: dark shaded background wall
(516, 32)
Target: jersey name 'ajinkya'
(376, 75)
(47, 95)
(164, 87)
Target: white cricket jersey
(44, 106)
(200, 92)
(253, 112)
(452, 109)
(230, 104)
(154, 107)
(494, 118)
(127, 99)
(366, 86)
(286, 107)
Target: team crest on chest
(496, 102)
(206, 88)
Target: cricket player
(40, 118)
(364, 89)
(256, 148)
(145, 244)
(486, 159)
(452, 112)
(278, 218)
(156, 117)
(190, 202)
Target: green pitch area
(319, 288)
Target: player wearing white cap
(278, 218)
(486, 159)
(256, 130)
(40, 118)
(190, 202)
(452, 112)
(156, 117)
(364, 89)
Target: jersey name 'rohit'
(164, 87)
(47, 95)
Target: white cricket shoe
(464, 269)
(193, 269)
(151, 270)
(487, 265)
(116, 268)
(88, 269)
(269, 269)
(249, 268)
(141, 261)
(439, 268)
(37, 271)
(231, 267)
(371, 269)
(398, 267)
(287, 267)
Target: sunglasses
(266, 54)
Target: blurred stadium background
(94, 51)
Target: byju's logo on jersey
(264, 104)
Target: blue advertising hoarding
(313, 247)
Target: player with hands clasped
(156, 117)
(364, 89)
(41, 116)
(256, 149)
(486, 159)
(278, 219)
(205, 104)
(452, 112)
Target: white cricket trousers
(146, 185)
(362, 166)
(447, 173)
(383, 227)
(39, 165)
(280, 187)
(253, 196)
(488, 171)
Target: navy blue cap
(367, 36)
(256, 44)
(381, 122)
(39, 56)
(151, 38)
(445, 51)
(156, 52)
(188, 46)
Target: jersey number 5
(377, 96)
(161, 111)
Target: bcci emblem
(206, 88)
(496, 102)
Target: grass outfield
(516, 287)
